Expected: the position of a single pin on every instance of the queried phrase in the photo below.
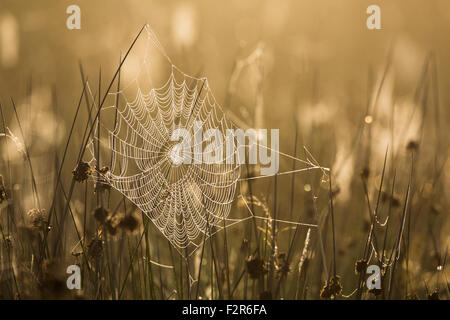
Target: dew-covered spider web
(132, 152)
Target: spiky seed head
(82, 172)
(332, 288)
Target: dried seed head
(95, 248)
(360, 266)
(365, 173)
(129, 223)
(395, 202)
(82, 172)
(255, 267)
(386, 197)
(101, 214)
(434, 295)
(412, 145)
(332, 288)
(37, 218)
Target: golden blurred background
(323, 72)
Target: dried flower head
(332, 288)
(82, 172)
(129, 223)
(434, 295)
(360, 266)
(386, 197)
(101, 214)
(412, 145)
(37, 218)
(255, 267)
(95, 248)
(365, 173)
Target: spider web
(132, 152)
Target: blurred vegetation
(370, 105)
